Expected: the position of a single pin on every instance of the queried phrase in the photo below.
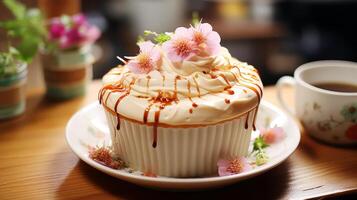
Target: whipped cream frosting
(201, 91)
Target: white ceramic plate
(88, 128)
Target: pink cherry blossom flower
(272, 135)
(181, 45)
(206, 39)
(234, 166)
(147, 60)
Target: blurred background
(276, 36)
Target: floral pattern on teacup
(348, 113)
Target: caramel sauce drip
(234, 76)
(146, 113)
(255, 117)
(163, 99)
(213, 76)
(156, 123)
(197, 87)
(260, 93)
(231, 92)
(225, 79)
(110, 87)
(118, 122)
(106, 99)
(246, 121)
(120, 99)
(175, 88)
(189, 90)
(254, 89)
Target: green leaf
(147, 33)
(161, 38)
(259, 144)
(195, 18)
(8, 64)
(16, 8)
(140, 39)
(28, 28)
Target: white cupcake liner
(180, 152)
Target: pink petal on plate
(272, 135)
(222, 171)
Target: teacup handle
(282, 82)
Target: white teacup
(327, 115)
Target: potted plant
(67, 61)
(27, 31)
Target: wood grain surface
(36, 163)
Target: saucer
(88, 128)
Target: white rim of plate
(126, 175)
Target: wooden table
(36, 163)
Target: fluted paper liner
(180, 152)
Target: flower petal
(146, 46)
(134, 66)
(272, 135)
(205, 28)
(183, 32)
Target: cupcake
(181, 104)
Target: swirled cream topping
(198, 92)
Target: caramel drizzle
(254, 118)
(106, 99)
(112, 87)
(146, 113)
(189, 90)
(197, 87)
(231, 92)
(120, 99)
(225, 79)
(175, 88)
(155, 126)
(213, 76)
(254, 89)
(108, 87)
(189, 94)
(166, 101)
(246, 121)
